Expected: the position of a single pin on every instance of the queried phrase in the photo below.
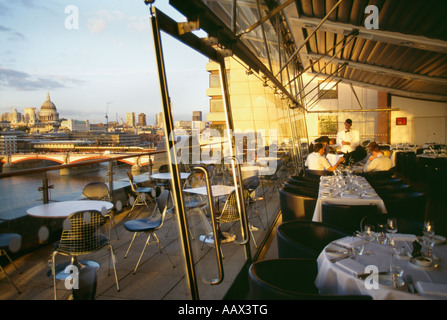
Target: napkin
(347, 242)
(403, 237)
(432, 289)
(351, 266)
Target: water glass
(368, 235)
(358, 248)
(428, 228)
(381, 234)
(396, 269)
(391, 225)
(428, 242)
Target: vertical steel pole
(172, 157)
(230, 129)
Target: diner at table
(317, 161)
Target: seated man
(317, 161)
(377, 161)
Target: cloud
(25, 82)
(138, 23)
(99, 23)
(12, 35)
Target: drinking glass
(357, 246)
(429, 242)
(428, 228)
(368, 235)
(391, 225)
(396, 269)
(381, 234)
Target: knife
(364, 275)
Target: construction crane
(107, 116)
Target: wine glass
(428, 228)
(396, 270)
(368, 235)
(391, 226)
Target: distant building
(76, 125)
(8, 144)
(31, 116)
(130, 119)
(141, 119)
(48, 112)
(197, 116)
(159, 120)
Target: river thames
(21, 192)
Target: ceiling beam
(396, 38)
(397, 92)
(379, 70)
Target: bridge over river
(75, 157)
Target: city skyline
(94, 58)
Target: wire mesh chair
(230, 212)
(270, 178)
(149, 226)
(99, 191)
(143, 194)
(13, 243)
(82, 234)
(251, 184)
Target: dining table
(217, 191)
(346, 190)
(167, 175)
(343, 272)
(62, 210)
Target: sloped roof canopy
(406, 55)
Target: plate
(336, 251)
(423, 262)
(438, 239)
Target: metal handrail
(215, 231)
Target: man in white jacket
(348, 139)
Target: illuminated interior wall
(425, 121)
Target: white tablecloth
(339, 277)
(371, 198)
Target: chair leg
(130, 245)
(142, 252)
(113, 258)
(114, 226)
(252, 236)
(9, 279)
(53, 271)
(4, 253)
(162, 247)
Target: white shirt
(352, 136)
(316, 161)
(380, 163)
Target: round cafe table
(64, 209)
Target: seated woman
(377, 161)
(317, 161)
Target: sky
(94, 57)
